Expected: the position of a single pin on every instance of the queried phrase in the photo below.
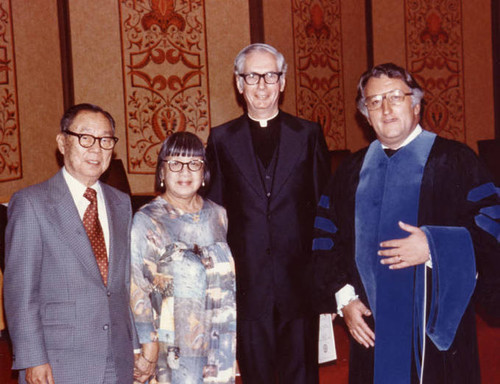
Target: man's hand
(353, 317)
(404, 253)
(40, 374)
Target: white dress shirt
(77, 190)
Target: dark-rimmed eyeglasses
(176, 165)
(254, 78)
(86, 140)
(394, 97)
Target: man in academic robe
(268, 170)
(68, 265)
(402, 228)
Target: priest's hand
(353, 317)
(407, 252)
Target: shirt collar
(263, 122)
(417, 131)
(76, 188)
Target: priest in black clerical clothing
(269, 169)
(407, 230)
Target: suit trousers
(273, 349)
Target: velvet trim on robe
(456, 191)
(453, 283)
(389, 192)
(397, 299)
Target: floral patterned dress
(183, 291)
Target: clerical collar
(263, 122)
(417, 131)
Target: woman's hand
(145, 362)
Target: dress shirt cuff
(344, 296)
(428, 263)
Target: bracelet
(149, 361)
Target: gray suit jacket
(58, 309)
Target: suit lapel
(290, 148)
(117, 221)
(241, 144)
(65, 220)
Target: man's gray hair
(239, 62)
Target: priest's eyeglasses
(177, 166)
(86, 140)
(254, 78)
(394, 97)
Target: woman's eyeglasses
(176, 166)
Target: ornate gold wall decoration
(318, 66)
(165, 75)
(10, 149)
(434, 54)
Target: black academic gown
(452, 171)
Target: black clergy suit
(270, 224)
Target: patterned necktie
(95, 234)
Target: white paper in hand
(326, 345)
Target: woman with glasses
(183, 282)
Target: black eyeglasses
(254, 78)
(176, 166)
(86, 140)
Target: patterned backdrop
(434, 55)
(318, 66)
(165, 75)
(10, 150)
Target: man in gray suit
(67, 309)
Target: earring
(203, 183)
(162, 184)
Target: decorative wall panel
(165, 75)
(318, 66)
(10, 151)
(434, 51)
